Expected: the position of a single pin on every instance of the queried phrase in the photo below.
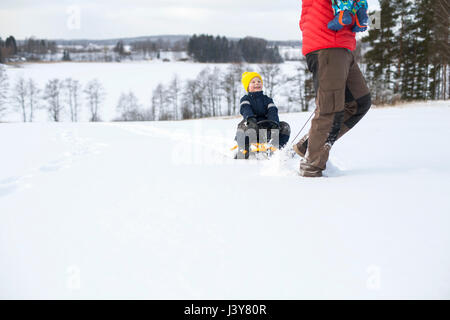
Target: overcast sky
(103, 19)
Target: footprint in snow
(14, 184)
(5, 190)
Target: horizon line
(145, 36)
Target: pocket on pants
(331, 101)
(334, 66)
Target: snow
(159, 211)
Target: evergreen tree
(11, 44)
(406, 60)
(2, 44)
(66, 55)
(439, 50)
(424, 38)
(381, 57)
(205, 48)
(253, 49)
(119, 48)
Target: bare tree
(129, 108)
(228, 86)
(173, 93)
(308, 85)
(290, 91)
(4, 85)
(33, 93)
(152, 109)
(238, 90)
(52, 95)
(202, 83)
(232, 88)
(214, 92)
(95, 94)
(210, 82)
(72, 93)
(160, 103)
(271, 73)
(19, 97)
(294, 89)
(192, 100)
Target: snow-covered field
(157, 210)
(139, 77)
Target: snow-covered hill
(158, 210)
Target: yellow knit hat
(247, 77)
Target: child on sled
(260, 122)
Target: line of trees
(217, 93)
(211, 93)
(206, 48)
(214, 92)
(203, 48)
(147, 46)
(37, 46)
(408, 56)
(33, 49)
(58, 97)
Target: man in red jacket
(342, 96)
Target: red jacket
(314, 25)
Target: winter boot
(301, 146)
(309, 171)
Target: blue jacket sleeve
(272, 111)
(246, 108)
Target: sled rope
(292, 143)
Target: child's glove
(341, 19)
(252, 123)
(362, 20)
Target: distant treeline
(202, 48)
(206, 48)
(31, 49)
(158, 45)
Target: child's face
(255, 85)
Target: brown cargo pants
(342, 100)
